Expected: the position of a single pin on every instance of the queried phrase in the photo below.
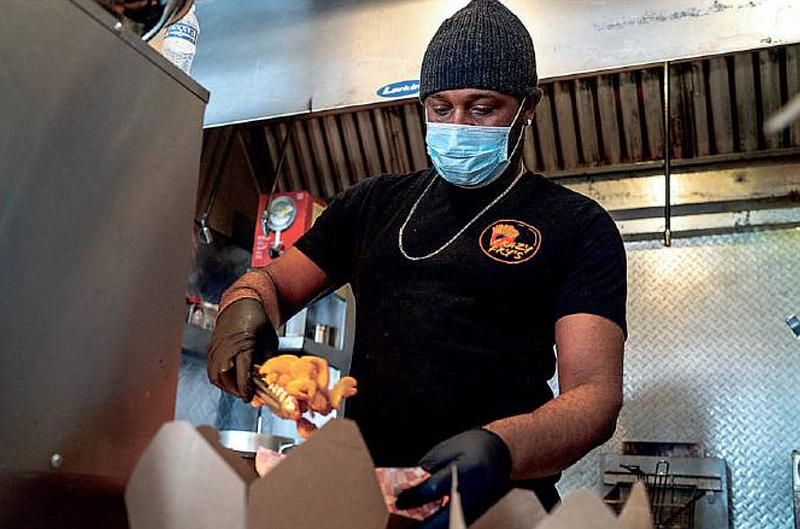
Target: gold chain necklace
(462, 230)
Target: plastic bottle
(180, 43)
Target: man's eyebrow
(481, 95)
(471, 97)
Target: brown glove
(242, 337)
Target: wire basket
(671, 505)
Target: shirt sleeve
(596, 281)
(334, 240)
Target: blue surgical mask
(470, 156)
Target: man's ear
(530, 105)
(537, 96)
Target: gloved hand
(484, 475)
(242, 337)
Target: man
(465, 277)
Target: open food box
(186, 479)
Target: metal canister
(322, 334)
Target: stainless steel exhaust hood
(270, 58)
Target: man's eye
(481, 111)
(441, 111)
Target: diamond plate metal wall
(710, 360)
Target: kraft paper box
(186, 479)
(520, 509)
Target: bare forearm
(562, 431)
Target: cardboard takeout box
(186, 479)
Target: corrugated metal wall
(710, 360)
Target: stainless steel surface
(709, 360)
(267, 58)
(248, 442)
(99, 153)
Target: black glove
(484, 475)
(242, 337)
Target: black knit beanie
(484, 45)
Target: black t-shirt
(465, 337)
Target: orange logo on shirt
(510, 241)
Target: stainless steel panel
(710, 360)
(99, 152)
(267, 58)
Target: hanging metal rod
(667, 161)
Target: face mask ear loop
(522, 130)
(521, 104)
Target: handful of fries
(291, 386)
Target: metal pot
(247, 443)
